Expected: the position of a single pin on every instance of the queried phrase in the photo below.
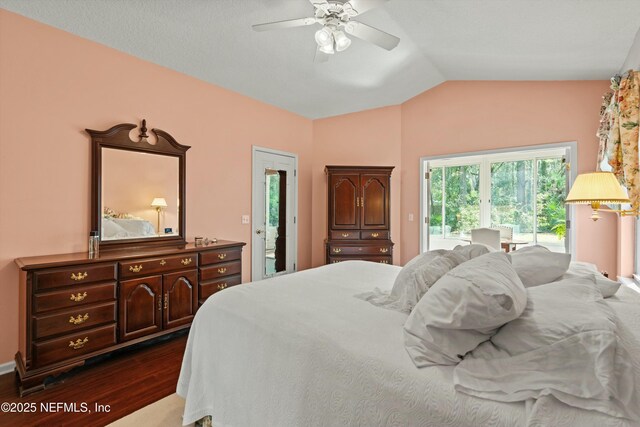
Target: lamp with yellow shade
(159, 203)
(596, 188)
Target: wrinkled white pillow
(415, 278)
(607, 286)
(474, 250)
(564, 344)
(462, 309)
(537, 265)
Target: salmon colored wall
(457, 117)
(367, 138)
(130, 181)
(53, 85)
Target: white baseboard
(5, 368)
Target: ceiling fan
(336, 20)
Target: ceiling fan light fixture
(328, 49)
(324, 37)
(342, 41)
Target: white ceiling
(440, 40)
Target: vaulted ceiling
(440, 40)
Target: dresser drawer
(70, 321)
(76, 296)
(81, 274)
(381, 260)
(220, 270)
(220, 255)
(384, 235)
(211, 287)
(345, 235)
(340, 250)
(149, 266)
(73, 345)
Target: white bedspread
(301, 350)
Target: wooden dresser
(358, 220)
(73, 307)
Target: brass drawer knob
(79, 276)
(166, 300)
(135, 268)
(222, 270)
(79, 320)
(345, 234)
(79, 297)
(163, 262)
(79, 343)
(186, 261)
(335, 261)
(384, 250)
(384, 261)
(375, 234)
(222, 256)
(221, 286)
(337, 250)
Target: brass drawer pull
(337, 250)
(80, 319)
(79, 297)
(335, 261)
(345, 234)
(222, 256)
(375, 234)
(160, 303)
(135, 268)
(166, 300)
(79, 343)
(221, 286)
(384, 250)
(163, 262)
(186, 261)
(222, 270)
(79, 276)
(384, 261)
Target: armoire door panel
(140, 307)
(180, 298)
(375, 200)
(344, 203)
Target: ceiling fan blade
(372, 35)
(317, 3)
(290, 23)
(320, 56)
(361, 6)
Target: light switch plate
(245, 219)
(410, 217)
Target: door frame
(294, 204)
(571, 146)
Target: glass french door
(522, 191)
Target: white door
(274, 206)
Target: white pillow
(474, 250)
(607, 286)
(415, 278)
(462, 309)
(565, 344)
(537, 265)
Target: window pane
(551, 212)
(435, 202)
(512, 197)
(462, 207)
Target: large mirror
(138, 187)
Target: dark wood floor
(126, 381)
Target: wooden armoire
(359, 202)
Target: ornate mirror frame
(118, 137)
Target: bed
(301, 350)
(126, 228)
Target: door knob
(258, 231)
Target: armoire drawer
(73, 345)
(340, 250)
(384, 235)
(76, 275)
(381, 260)
(70, 321)
(150, 266)
(345, 235)
(220, 270)
(220, 255)
(76, 296)
(208, 288)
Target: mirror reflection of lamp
(159, 203)
(598, 188)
